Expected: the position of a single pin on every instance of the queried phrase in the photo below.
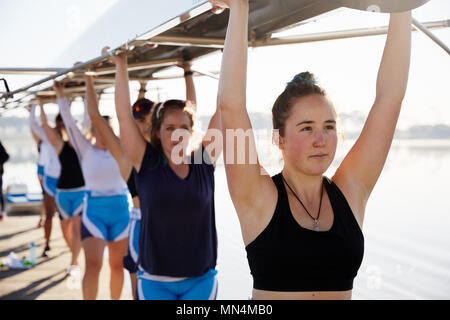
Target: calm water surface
(406, 228)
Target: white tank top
(48, 157)
(41, 159)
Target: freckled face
(310, 136)
(173, 120)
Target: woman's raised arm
(191, 94)
(35, 138)
(252, 192)
(79, 141)
(34, 126)
(104, 130)
(132, 141)
(362, 166)
(55, 140)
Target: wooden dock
(46, 281)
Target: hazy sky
(39, 32)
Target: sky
(346, 68)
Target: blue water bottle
(33, 253)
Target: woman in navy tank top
(178, 240)
(302, 231)
(142, 115)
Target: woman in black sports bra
(302, 231)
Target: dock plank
(47, 280)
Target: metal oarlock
(6, 85)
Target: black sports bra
(288, 257)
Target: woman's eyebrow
(305, 122)
(310, 122)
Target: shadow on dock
(31, 292)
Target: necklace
(316, 220)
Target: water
(406, 227)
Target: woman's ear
(277, 139)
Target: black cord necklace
(316, 220)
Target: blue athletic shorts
(106, 218)
(197, 288)
(69, 202)
(50, 184)
(131, 259)
(40, 171)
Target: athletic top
(44, 155)
(100, 170)
(288, 257)
(86, 121)
(49, 158)
(71, 176)
(40, 160)
(132, 184)
(178, 230)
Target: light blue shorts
(130, 261)
(197, 288)
(40, 171)
(69, 202)
(50, 184)
(106, 218)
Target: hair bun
(303, 78)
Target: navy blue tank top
(71, 176)
(178, 231)
(288, 257)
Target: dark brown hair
(303, 84)
(142, 107)
(158, 115)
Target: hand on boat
(185, 65)
(116, 59)
(220, 5)
(86, 75)
(143, 84)
(41, 101)
(59, 89)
